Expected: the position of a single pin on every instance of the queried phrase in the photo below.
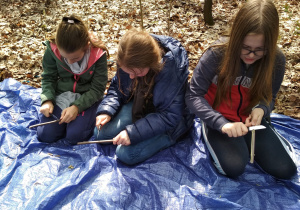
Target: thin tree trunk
(169, 15)
(208, 12)
(141, 13)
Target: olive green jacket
(57, 77)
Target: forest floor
(25, 24)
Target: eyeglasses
(258, 53)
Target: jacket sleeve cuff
(43, 100)
(266, 109)
(220, 123)
(133, 134)
(105, 109)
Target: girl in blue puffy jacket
(144, 110)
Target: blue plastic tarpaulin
(35, 175)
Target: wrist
(76, 107)
(264, 108)
(259, 110)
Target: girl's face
(74, 56)
(253, 48)
(135, 72)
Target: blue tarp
(36, 175)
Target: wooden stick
(253, 129)
(96, 142)
(252, 146)
(54, 121)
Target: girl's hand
(235, 129)
(122, 138)
(69, 114)
(47, 108)
(102, 119)
(255, 117)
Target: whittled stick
(252, 147)
(96, 142)
(253, 129)
(36, 125)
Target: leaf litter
(24, 25)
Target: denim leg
(116, 125)
(133, 154)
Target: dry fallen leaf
(70, 167)
(21, 48)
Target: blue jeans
(131, 154)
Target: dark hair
(258, 17)
(72, 35)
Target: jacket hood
(174, 51)
(174, 73)
(95, 54)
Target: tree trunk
(169, 15)
(141, 13)
(208, 12)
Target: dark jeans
(131, 154)
(273, 153)
(80, 129)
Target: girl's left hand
(69, 114)
(122, 138)
(255, 117)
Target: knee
(106, 132)
(284, 171)
(47, 136)
(42, 137)
(123, 155)
(46, 139)
(75, 136)
(235, 172)
(234, 168)
(96, 132)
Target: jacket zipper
(75, 83)
(76, 78)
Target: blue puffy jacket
(171, 115)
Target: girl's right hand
(47, 108)
(235, 129)
(102, 119)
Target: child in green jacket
(73, 83)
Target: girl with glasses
(73, 82)
(234, 86)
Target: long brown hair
(138, 49)
(72, 35)
(259, 17)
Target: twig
(96, 142)
(253, 129)
(54, 121)
(252, 146)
